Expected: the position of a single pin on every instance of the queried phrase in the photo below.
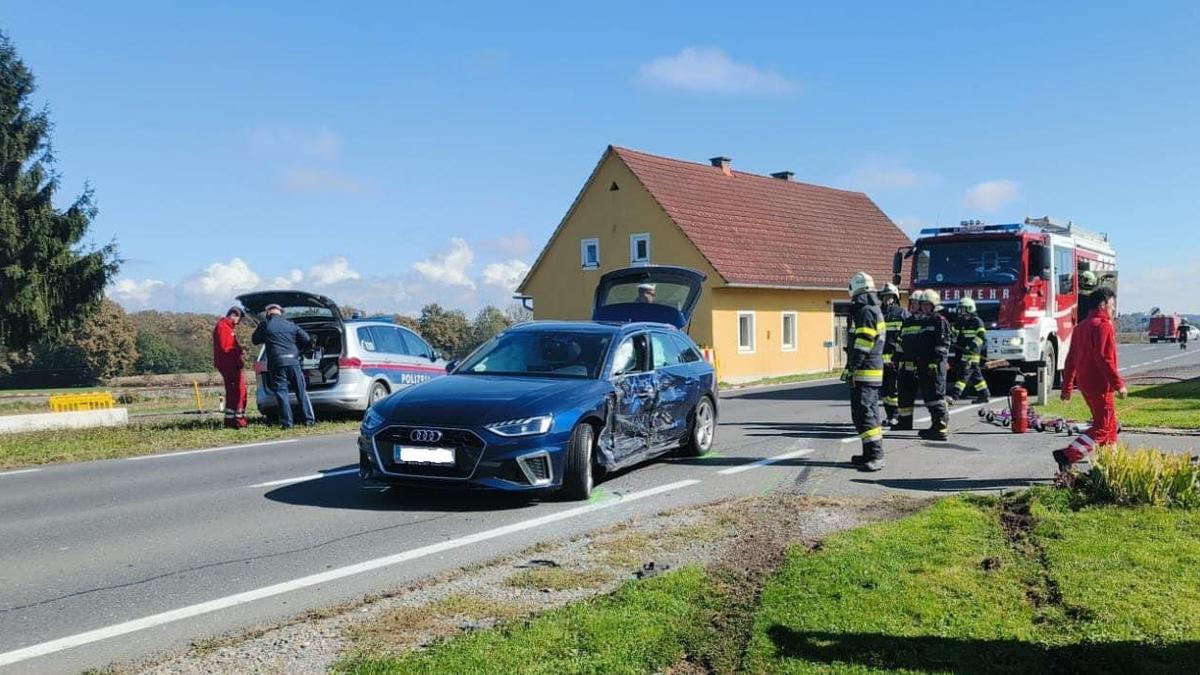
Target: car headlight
(528, 426)
(372, 420)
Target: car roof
(591, 326)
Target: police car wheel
(378, 391)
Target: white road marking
(127, 627)
(921, 420)
(13, 473)
(301, 479)
(203, 450)
(763, 462)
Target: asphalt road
(117, 560)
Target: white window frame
(583, 248)
(633, 242)
(783, 344)
(746, 349)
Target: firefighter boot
(903, 423)
(939, 428)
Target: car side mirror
(450, 366)
(897, 267)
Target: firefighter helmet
(931, 296)
(890, 289)
(1087, 280)
(967, 305)
(861, 283)
(917, 296)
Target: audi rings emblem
(425, 435)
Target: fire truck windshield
(996, 261)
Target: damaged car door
(635, 401)
(678, 389)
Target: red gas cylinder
(1018, 405)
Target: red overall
(227, 357)
(1092, 364)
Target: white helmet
(917, 296)
(890, 289)
(861, 283)
(967, 305)
(931, 296)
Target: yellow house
(778, 255)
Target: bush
(1146, 476)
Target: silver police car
(353, 363)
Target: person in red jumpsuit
(1092, 363)
(227, 357)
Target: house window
(788, 343)
(639, 248)
(589, 254)
(746, 332)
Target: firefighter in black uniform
(970, 338)
(864, 370)
(894, 315)
(933, 350)
(904, 358)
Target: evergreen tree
(49, 279)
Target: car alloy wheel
(378, 391)
(578, 478)
(706, 424)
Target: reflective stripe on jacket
(868, 333)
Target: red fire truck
(1024, 278)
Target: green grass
(968, 585)
(1175, 405)
(644, 627)
(78, 445)
(782, 379)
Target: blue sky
(390, 154)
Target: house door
(841, 333)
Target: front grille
(468, 450)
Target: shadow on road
(956, 484)
(348, 492)
(815, 430)
(826, 392)
(799, 462)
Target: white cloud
(505, 275)
(880, 175)
(449, 267)
(1169, 288)
(332, 271)
(288, 280)
(314, 180)
(217, 284)
(990, 195)
(292, 143)
(710, 70)
(135, 292)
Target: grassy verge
(968, 585)
(782, 379)
(78, 445)
(1175, 405)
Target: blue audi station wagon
(553, 405)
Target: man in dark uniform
(1184, 330)
(970, 338)
(933, 350)
(894, 315)
(285, 341)
(864, 370)
(904, 359)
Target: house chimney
(722, 163)
(783, 175)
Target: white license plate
(421, 455)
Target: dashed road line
(302, 479)
(127, 627)
(764, 462)
(204, 450)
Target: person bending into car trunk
(285, 341)
(227, 357)
(1092, 363)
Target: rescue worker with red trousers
(904, 358)
(864, 370)
(971, 336)
(1092, 365)
(894, 315)
(227, 358)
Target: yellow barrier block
(76, 402)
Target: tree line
(110, 343)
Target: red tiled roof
(764, 231)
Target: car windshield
(963, 263)
(539, 354)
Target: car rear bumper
(351, 393)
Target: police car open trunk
(318, 316)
